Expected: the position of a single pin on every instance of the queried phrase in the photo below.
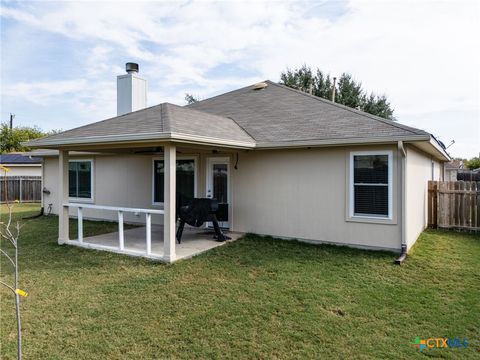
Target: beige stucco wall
(23, 170)
(50, 183)
(418, 172)
(119, 180)
(300, 193)
(304, 194)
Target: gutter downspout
(403, 185)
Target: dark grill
(197, 211)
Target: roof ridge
(192, 107)
(359, 112)
(165, 117)
(186, 108)
(241, 127)
(220, 116)
(216, 96)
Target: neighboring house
(452, 168)
(21, 165)
(468, 175)
(288, 164)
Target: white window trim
(352, 215)
(92, 182)
(195, 174)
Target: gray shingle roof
(14, 158)
(161, 119)
(183, 120)
(245, 117)
(278, 113)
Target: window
(80, 179)
(185, 179)
(371, 184)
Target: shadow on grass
(267, 249)
(40, 250)
(40, 236)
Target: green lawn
(254, 298)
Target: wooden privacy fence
(21, 188)
(454, 205)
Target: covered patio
(153, 239)
(168, 212)
(132, 167)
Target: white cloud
(41, 92)
(423, 55)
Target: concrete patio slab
(194, 241)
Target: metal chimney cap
(131, 67)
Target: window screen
(80, 179)
(370, 185)
(185, 179)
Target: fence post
(80, 224)
(477, 205)
(20, 186)
(451, 205)
(435, 204)
(456, 204)
(473, 198)
(440, 206)
(468, 205)
(431, 204)
(461, 201)
(121, 236)
(149, 233)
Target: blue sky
(59, 60)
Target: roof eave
(439, 150)
(432, 148)
(202, 140)
(442, 152)
(22, 164)
(339, 142)
(138, 138)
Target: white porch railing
(121, 234)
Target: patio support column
(63, 231)
(169, 218)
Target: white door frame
(211, 160)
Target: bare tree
(10, 231)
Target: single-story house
(286, 163)
(21, 165)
